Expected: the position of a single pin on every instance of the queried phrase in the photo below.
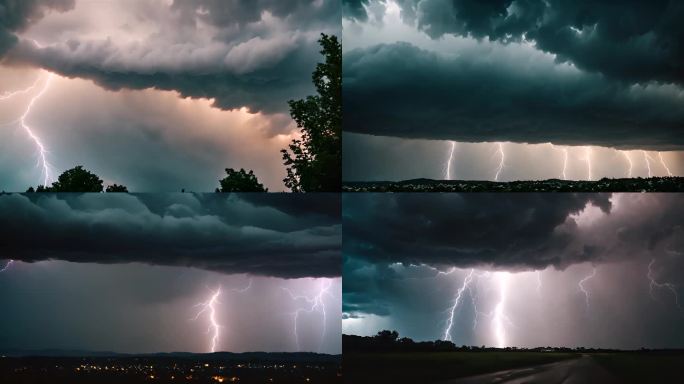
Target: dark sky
(406, 256)
(596, 74)
(196, 85)
(124, 272)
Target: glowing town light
(214, 326)
(9, 263)
(629, 161)
(654, 284)
(662, 161)
(457, 300)
(502, 159)
(447, 174)
(498, 325)
(584, 289)
(317, 304)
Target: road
(582, 370)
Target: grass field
(426, 367)
(644, 367)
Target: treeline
(389, 341)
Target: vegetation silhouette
(240, 181)
(314, 162)
(78, 179)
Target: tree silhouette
(240, 181)
(116, 188)
(314, 162)
(78, 179)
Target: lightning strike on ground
(457, 300)
(316, 303)
(669, 286)
(629, 161)
(662, 161)
(499, 314)
(501, 161)
(587, 158)
(447, 175)
(648, 159)
(583, 288)
(210, 305)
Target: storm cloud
(510, 231)
(247, 54)
(272, 235)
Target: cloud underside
(272, 235)
(510, 232)
(505, 94)
(256, 55)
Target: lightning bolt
(42, 151)
(447, 174)
(662, 161)
(669, 286)
(565, 160)
(583, 288)
(501, 161)
(9, 263)
(316, 303)
(457, 300)
(499, 314)
(210, 305)
(629, 161)
(587, 158)
(539, 283)
(648, 163)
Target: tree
(78, 179)
(240, 181)
(116, 188)
(314, 162)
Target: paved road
(582, 370)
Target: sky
(130, 273)
(591, 270)
(158, 95)
(508, 90)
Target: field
(426, 367)
(652, 184)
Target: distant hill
(224, 356)
(651, 184)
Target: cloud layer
(272, 235)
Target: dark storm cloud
(274, 235)
(16, 15)
(502, 94)
(354, 9)
(256, 54)
(632, 41)
(507, 231)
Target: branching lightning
(629, 161)
(662, 161)
(502, 159)
(316, 303)
(539, 283)
(210, 306)
(9, 263)
(648, 159)
(214, 326)
(584, 289)
(457, 300)
(42, 151)
(447, 175)
(669, 286)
